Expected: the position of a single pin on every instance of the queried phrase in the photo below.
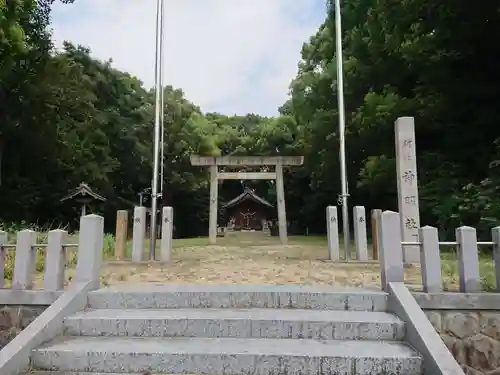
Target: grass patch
(450, 270)
(190, 242)
(308, 240)
(230, 240)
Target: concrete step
(34, 372)
(172, 296)
(227, 356)
(258, 323)
(96, 373)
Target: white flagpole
(156, 154)
(341, 108)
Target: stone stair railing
(15, 356)
(26, 250)
(428, 245)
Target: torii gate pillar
(280, 197)
(214, 193)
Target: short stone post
(430, 259)
(90, 247)
(139, 234)
(167, 232)
(24, 266)
(55, 260)
(332, 233)
(3, 241)
(391, 255)
(265, 228)
(375, 218)
(495, 236)
(360, 240)
(121, 233)
(468, 260)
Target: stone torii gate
(246, 161)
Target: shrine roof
(83, 190)
(248, 194)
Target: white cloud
(229, 56)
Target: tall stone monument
(406, 166)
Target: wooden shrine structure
(278, 162)
(84, 195)
(248, 211)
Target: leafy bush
(109, 246)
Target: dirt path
(250, 258)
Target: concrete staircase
(232, 329)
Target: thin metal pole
(162, 108)
(340, 97)
(154, 183)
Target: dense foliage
(66, 117)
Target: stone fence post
(430, 259)
(332, 233)
(167, 231)
(139, 234)
(495, 237)
(390, 251)
(3, 241)
(375, 219)
(90, 247)
(121, 234)
(468, 260)
(360, 237)
(24, 266)
(55, 260)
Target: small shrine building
(248, 211)
(83, 195)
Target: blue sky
(229, 56)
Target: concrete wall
(14, 318)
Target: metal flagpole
(162, 112)
(340, 97)
(156, 151)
